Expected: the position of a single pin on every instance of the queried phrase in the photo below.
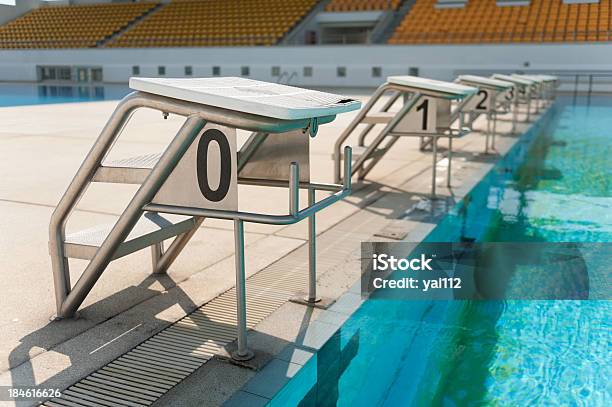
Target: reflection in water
(538, 352)
(35, 94)
(332, 360)
(552, 188)
(71, 92)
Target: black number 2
(225, 178)
(424, 107)
(481, 105)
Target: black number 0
(424, 107)
(481, 105)
(202, 165)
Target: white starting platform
(426, 112)
(551, 83)
(525, 91)
(543, 87)
(197, 176)
(536, 88)
(494, 97)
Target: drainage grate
(144, 374)
(148, 371)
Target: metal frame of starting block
(537, 89)
(523, 95)
(494, 97)
(175, 194)
(546, 87)
(414, 119)
(550, 88)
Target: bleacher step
(133, 170)
(150, 229)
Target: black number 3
(202, 165)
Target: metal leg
(528, 109)
(312, 253)
(61, 278)
(450, 160)
(242, 353)
(494, 116)
(425, 141)
(157, 251)
(434, 147)
(450, 150)
(168, 257)
(488, 134)
(514, 116)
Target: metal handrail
(348, 130)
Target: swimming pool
(20, 94)
(553, 186)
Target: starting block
(544, 88)
(425, 112)
(551, 83)
(197, 177)
(524, 92)
(536, 88)
(494, 97)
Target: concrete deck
(41, 148)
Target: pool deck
(41, 148)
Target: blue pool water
(13, 94)
(555, 185)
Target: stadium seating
(79, 26)
(482, 21)
(200, 23)
(362, 5)
(216, 23)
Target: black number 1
(424, 107)
(225, 178)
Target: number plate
(420, 119)
(206, 176)
(481, 102)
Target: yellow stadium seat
(484, 21)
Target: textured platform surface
(449, 88)
(249, 96)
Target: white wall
(440, 62)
